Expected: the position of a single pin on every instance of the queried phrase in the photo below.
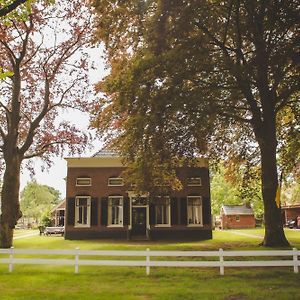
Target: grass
(19, 232)
(225, 239)
(55, 282)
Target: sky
(54, 176)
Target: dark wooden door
(139, 221)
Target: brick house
(290, 212)
(100, 204)
(58, 214)
(237, 216)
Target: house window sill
(82, 226)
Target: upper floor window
(115, 181)
(115, 211)
(83, 181)
(162, 211)
(194, 181)
(82, 211)
(194, 210)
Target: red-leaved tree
(46, 55)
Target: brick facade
(237, 216)
(238, 221)
(99, 191)
(290, 212)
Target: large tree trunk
(10, 207)
(274, 234)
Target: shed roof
(237, 210)
(292, 206)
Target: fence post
(77, 260)
(295, 259)
(11, 259)
(148, 262)
(221, 261)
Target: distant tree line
(37, 200)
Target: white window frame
(201, 212)
(168, 207)
(237, 218)
(83, 178)
(109, 212)
(88, 212)
(114, 178)
(195, 184)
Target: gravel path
(25, 235)
(247, 234)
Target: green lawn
(225, 239)
(55, 282)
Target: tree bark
(10, 207)
(274, 233)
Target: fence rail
(290, 258)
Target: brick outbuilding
(290, 212)
(237, 216)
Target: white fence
(290, 258)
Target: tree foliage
(222, 191)
(46, 54)
(232, 185)
(37, 199)
(191, 77)
(9, 9)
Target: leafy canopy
(190, 77)
(46, 54)
(36, 199)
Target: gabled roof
(60, 206)
(106, 153)
(237, 210)
(109, 158)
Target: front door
(139, 221)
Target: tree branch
(25, 41)
(243, 83)
(36, 122)
(2, 133)
(9, 8)
(285, 95)
(44, 149)
(11, 54)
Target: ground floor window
(194, 209)
(115, 211)
(162, 211)
(82, 211)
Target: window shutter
(104, 211)
(71, 211)
(174, 211)
(206, 211)
(126, 211)
(151, 213)
(94, 212)
(183, 213)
